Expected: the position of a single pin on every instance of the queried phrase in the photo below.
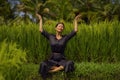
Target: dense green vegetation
(95, 42)
(95, 50)
(91, 10)
(11, 59)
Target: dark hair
(60, 23)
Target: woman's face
(59, 28)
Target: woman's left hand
(78, 17)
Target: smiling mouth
(60, 29)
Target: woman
(57, 42)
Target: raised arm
(75, 22)
(43, 32)
(40, 22)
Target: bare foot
(53, 67)
(56, 69)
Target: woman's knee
(70, 63)
(43, 64)
(43, 67)
(69, 66)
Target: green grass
(97, 42)
(84, 71)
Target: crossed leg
(55, 69)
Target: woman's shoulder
(52, 35)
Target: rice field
(97, 42)
(95, 50)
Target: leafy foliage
(6, 13)
(11, 58)
(91, 10)
(97, 42)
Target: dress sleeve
(45, 34)
(70, 35)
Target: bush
(11, 58)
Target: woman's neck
(58, 35)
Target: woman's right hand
(39, 16)
(40, 23)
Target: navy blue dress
(57, 57)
